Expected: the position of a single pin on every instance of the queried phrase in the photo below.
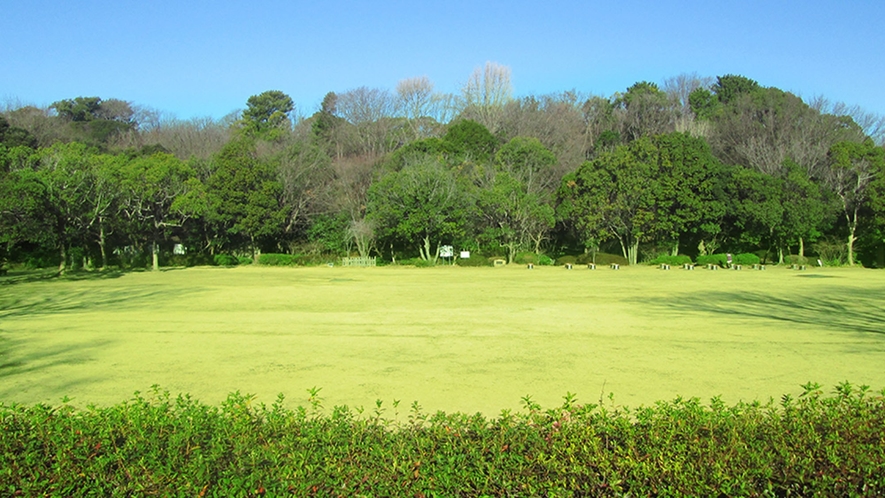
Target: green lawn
(457, 339)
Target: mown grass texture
(454, 339)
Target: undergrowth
(814, 444)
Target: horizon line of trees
(695, 165)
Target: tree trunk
(62, 265)
(155, 256)
(780, 255)
(623, 248)
(101, 245)
(675, 249)
(424, 249)
(633, 253)
(801, 250)
(851, 239)
(511, 252)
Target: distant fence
(357, 261)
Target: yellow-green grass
(455, 339)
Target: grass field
(456, 339)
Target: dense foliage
(695, 167)
(157, 445)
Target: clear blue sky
(205, 58)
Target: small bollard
(761, 267)
(738, 267)
(568, 266)
(801, 267)
(713, 267)
(616, 266)
(794, 267)
(591, 266)
(665, 266)
(530, 266)
(755, 267)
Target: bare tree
(678, 88)
(370, 111)
(485, 94)
(760, 131)
(415, 101)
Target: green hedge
(671, 260)
(225, 260)
(746, 258)
(158, 445)
(274, 259)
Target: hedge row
(157, 445)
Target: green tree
(422, 205)
(690, 179)
(471, 141)
(152, 190)
(64, 170)
(756, 207)
(616, 195)
(512, 216)
(268, 113)
(244, 195)
(807, 210)
(24, 205)
(730, 86)
(853, 168)
(647, 111)
(14, 136)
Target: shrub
(525, 258)
(276, 259)
(713, 259)
(671, 260)
(814, 445)
(604, 258)
(245, 260)
(545, 260)
(746, 258)
(225, 260)
(566, 260)
(474, 260)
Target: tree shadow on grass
(836, 308)
(29, 276)
(63, 301)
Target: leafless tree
(678, 88)
(415, 101)
(485, 94)
(371, 112)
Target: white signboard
(465, 254)
(446, 251)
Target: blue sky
(200, 58)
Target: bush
(814, 445)
(525, 258)
(245, 260)
(545, 260)
(474, 261)
(225, 260)
(671, 260)
(416, 262)
(713, 259)
(605, 259)
(746, 259)
(276, 259)
(566, 260)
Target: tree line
(695, 165)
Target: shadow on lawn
(64, 300)
(19, 361)
(837, 308)
(29, 276)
